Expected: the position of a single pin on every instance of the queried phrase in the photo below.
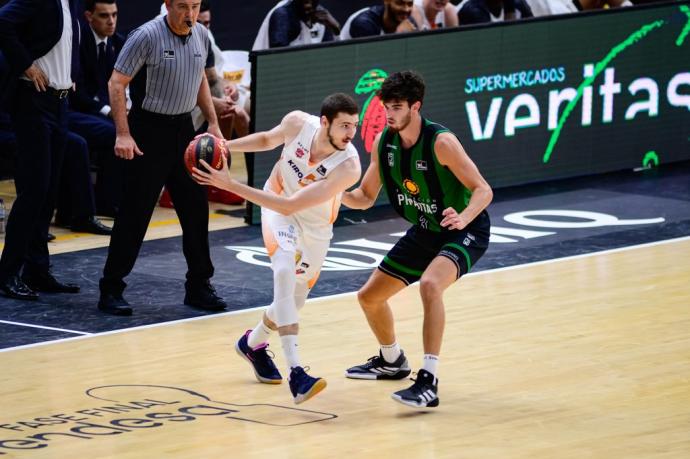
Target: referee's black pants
(163, 140)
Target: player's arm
(364, 196)
(343, 177)
(287, 130)
(451, 154)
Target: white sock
(390, 352)
(289, 343)
(430, 364)
(259, 335)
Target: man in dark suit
(37, 39)
(89, 114)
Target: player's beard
(403, 123)
(330, 139)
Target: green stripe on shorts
(402, 268)
(464, 252)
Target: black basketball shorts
(413, 253)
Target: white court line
(44, 327)
(339, 295)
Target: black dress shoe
(46, 282)
(114, 304)
(204, 297)
(91, 225)
(15, 288)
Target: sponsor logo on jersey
(420, 165)
(390, 158)
(392, 147)
(295, 168)
(299, 152)
(411, 187)
(321, 170)
(311, 178)
(404, 199)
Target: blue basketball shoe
(303, 386)
(260, 359)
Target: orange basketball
(207, 147)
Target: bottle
(2, 216)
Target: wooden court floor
(587, 357)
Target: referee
(167, 55)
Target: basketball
(207, 147)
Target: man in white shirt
(38, 41)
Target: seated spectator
(437, 14)
(296, 22)
(483, 11)
(549, 7)
(89, 106)
(393, 16)
(232, 116)
(76, 206)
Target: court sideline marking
(86, 335)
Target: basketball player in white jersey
(299, 203)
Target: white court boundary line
(330, 297)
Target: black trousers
(75, 198)
(40, 125)
(162, 139)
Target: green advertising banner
(529, 100)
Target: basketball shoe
(378, 368)
(262, 362)
(303, 386)
(422, 394)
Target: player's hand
(218, 178)
(37, 77)
(126, 147)
(452, 219)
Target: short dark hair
(90, 5)
(407, 85)
(205, 6)
(338, 103)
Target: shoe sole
(315, 389)
(373, 376)
(259, 378)
(432, 404)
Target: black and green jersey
(418, 186)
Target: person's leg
(191, 206)
(459, 251)
(34, 136)
(145, 176)
(402, 266)
(373, 298)
(99, 133)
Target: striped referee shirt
(174, 65)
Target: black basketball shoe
(422, 394)
(377, 368)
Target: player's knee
(283, 273)
(367, 299)
(430, 288)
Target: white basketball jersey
(296, 171)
